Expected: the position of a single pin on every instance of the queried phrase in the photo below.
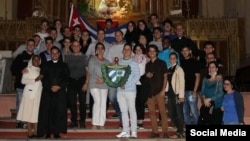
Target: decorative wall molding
(200, 30)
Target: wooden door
(24, 9)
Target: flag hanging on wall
(77, 19)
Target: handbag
(207, 112)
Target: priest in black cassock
(53, 106)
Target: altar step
(110, 113)
(8, 128)
(109, 133)
(9, 123)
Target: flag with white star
(77, 19)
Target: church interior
(225, 22)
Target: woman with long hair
(66, 48)
(85, 41)
(141, 58)
(142, 28)
(131, 33)
(98, 88)
(212, 94)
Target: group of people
(60, 66)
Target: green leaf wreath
(120, 80)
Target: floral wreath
(122, 79)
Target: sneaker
(123, 135)
(140, 126)
(25, 125)
(133, 134)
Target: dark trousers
(216, 117)
(141, 100)
(74, 89)
(91, 103)
(175, 111)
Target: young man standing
(191, 68)
(19, 63)
(53, 106)
(156, 73)
(126, 95)
(78, 84)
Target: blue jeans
(19, 95)
(190, 109)
(231, 123)
(112, 95)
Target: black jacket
(18, 64)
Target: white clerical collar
(55, 61)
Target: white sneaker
(134, 134)
(123, 135)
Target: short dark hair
(108, 20)
(77, 26)
(57, 20)
(30, 40)
(168, 21)
(44, 21)
(35, 35)
(65, 27)
(120, 32)
(232, 81)
(208, 43)
(157, 28)
(212, 54)
(141, 47)
(153, 15)
(127, 44)
(167, 37)
(67, 38)
(100, 30)
(48, 39)
(56, 48)
(186, 46)
(153, 47)
(34, 56)
(52, 28)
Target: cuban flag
(76, 18)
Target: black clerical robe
(53, 106)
